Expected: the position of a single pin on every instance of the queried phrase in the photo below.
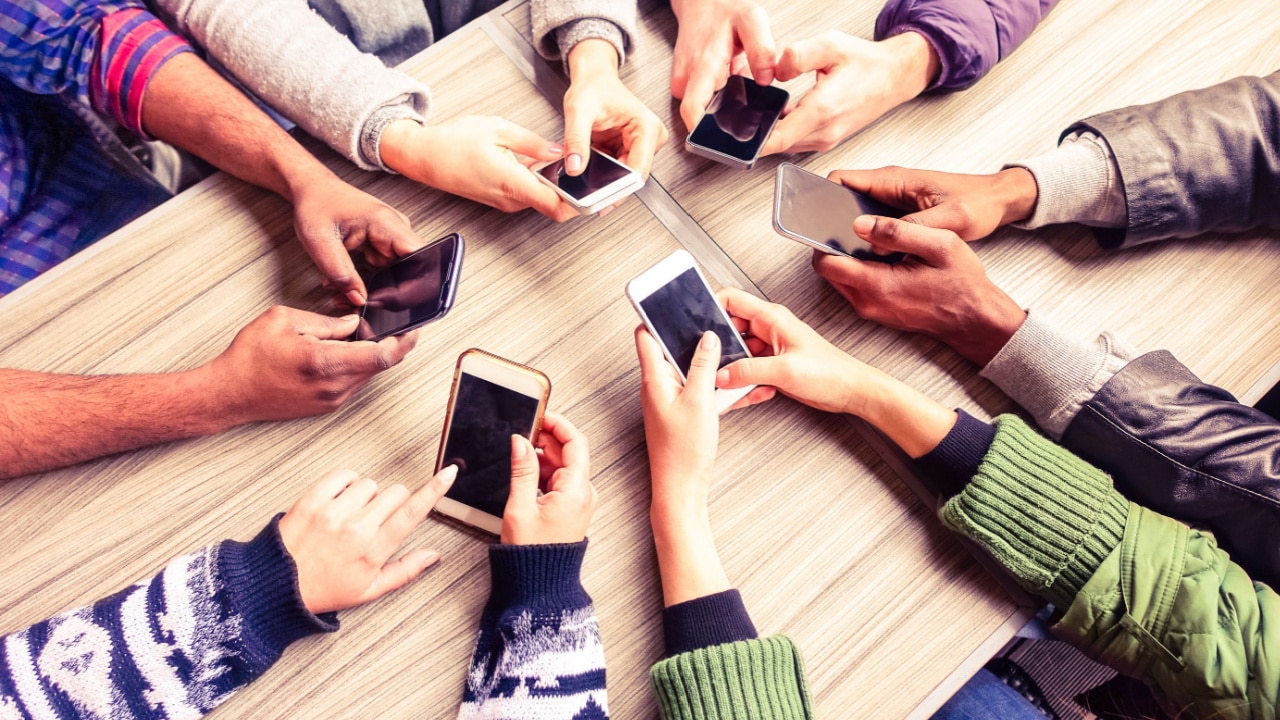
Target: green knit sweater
(761, 679)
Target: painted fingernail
(518, 447)
(709, 340)
(573, 163)
(555, 149)
(864, 224)
(448, 475)
(722, 376)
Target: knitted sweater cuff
(1078, 182)
(261, 581)
(709, 620)
(569, 35)
(760, 678)
(1047, 516)
(538, 576)
(955, 460)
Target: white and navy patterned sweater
(538, 655)
(174, 646)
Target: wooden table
(825, 540)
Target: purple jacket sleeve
(970, 36)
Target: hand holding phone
(563, 513)
(737, 122)
(677, 306)
(416, 289)
(603, 183)
(819, 213)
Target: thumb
(524, 473)
(398, 573)
(702, 368)
(928, 244)
(323, 327)
(766, 371)
(578, 119)
(803, 57)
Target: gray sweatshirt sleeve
(558, 25)
(293, 60)
(1051, 374)
(1077, 182)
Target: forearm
(49, 421)
(912, 420)
(687, 558)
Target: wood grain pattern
(825, 542)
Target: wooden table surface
(826, 542)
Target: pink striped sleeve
(135, 45)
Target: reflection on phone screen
(485, 416)
(414, 290)
(739, 118)
(681, 311)
(601, 172)
(823, 211)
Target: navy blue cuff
(706, 621)
(261, 583)
(538, 576)
(954, 462)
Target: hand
(334, 219)
(289, 363)
(342, 532)
(481, 158)
(941, 290)
(971, 206)
(562, 466)
(600, 110)
(858, 81)
(717, 38)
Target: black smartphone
(811, 209)
(738, 120)
(413, 291)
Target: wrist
(982, 338)
(1017, 192)
(396, 141)
(917, 61)
(591, 58)
(218, 406)
(675, 516)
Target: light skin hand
(971, 206)
(343, 532)
(290, 363)
(599, 110)
(682, 432)
(857, 82)
(940, 290)
(560, 465)
(481, 158)
(714, 39)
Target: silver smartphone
(738, 120)
(811, 209)
(604, 182)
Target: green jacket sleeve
(762, 679)
(1142, 593)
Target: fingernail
(605, 211)
(355, 297)
(448, 475)
(555, 149)
(518, 447)
(709, 340)
(722, 376)
(349, 318)
(573, 163)
(864, 224)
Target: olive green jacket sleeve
(761, 679)
(1141, 592)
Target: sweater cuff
(371, 132)
(261, 581)
(1078, 182)
(538, 576)
(954, 462)
(1047, 516)
(761, 678)
(1050, 374)
(714, 619)
(570, 34)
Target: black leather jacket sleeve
(1191, 451)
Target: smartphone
(603, 183)
(737, 122)
(492, 399)
(813, 210)
(416, 289)
(677, 305)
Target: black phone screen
(485, 416)
(681, 311)
(739, 118)
(412, 291)
(602, 171)
(823, 211)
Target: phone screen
(602, 171)
(823, 211)
(485, 416)
(681, 311)
(413, 291)
(739, 118)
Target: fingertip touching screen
(485, 416)
(681, 311)
(739, 118)
(413, 291)
(601, 172)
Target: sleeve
(951, 464)
(970, 36)
(717, 666)
(1142, 593)
(307, 71)
(1051, 374)
(1189, 450)
(538, 652)
(1201, 161)
(177, 645)
(558, 25)
(1077, 182)
(100, 54)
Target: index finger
(573, 443)
(654, 367)
(414, 510)
(757, 42)
(793, 129)
(702, 85)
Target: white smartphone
(677, 305)
(492, 399)
(603, 183)
(811, 209)
(737, 122)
